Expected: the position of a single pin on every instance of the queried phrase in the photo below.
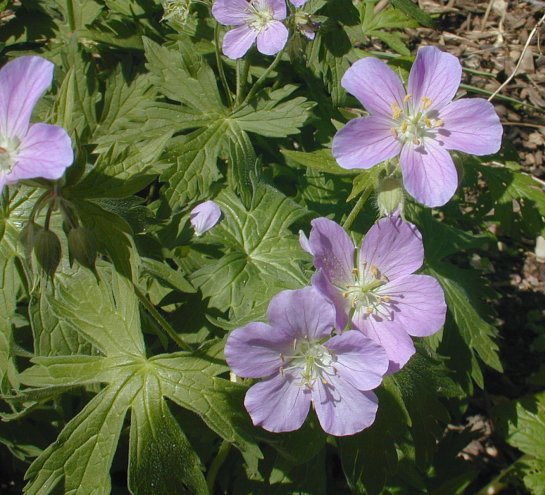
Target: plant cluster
(218, 274)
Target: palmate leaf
(119, 173)
(14, 215)
(272, 116)
(196, 168)
(522, 424)
(411, 414)
(262, 255)
(465, 292)
(181, 75)
(161, 459)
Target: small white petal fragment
(204, 216)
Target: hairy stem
(263, 77)
(218, 461)
(357, 209)
(219, 63)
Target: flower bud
(27, 237)
(82, 247)
(305, 25)
(47, 249)
(390, 196)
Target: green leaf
(478, 335)
(157, 445)
(420, 384)
(369, 457)
(196, 167)
(93, 310)
(162, 271)
(52, 336)
(112, 234)
(181, 75)
(273, 117)
(412, 10)
(119, 173)
(161, 459)
(75, 108)
(218, 402)
(242, 164)
(120, 101)
(321, 161)
(514, 194)
(80, 459)
(523, 424)
(262, 256)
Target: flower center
(312, 359)
(413, 123)
(364, 294)
(8, 153)
(261, 15)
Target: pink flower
(254, 20)
(29, 151)
(419, 126)
(378, 294)
(301, 363)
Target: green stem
(497, 484)
(357, 209)
(218, 461)
(219, 63)
(263, 77)
(40, 203)
(165, 326)
(242, 77)
(48, 216)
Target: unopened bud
(390, 196)
(27, 237)
(306, 25)
(47, 249)
(82, 247)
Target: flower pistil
(413, 124)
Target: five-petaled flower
(420, 125)
(301, 363)
(29, 151)
(380, 295)
(204, 216)
(255, 19)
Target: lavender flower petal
(364, 142)
(238, 41)
(375, 85)
(230, 12)
(342, 409)
(278, 404)
(22, 83)
(394, 246)
(333, 250)
(272, 39)
(255, 350)
(298, 3)
(333, 294)
(466, 119)
(45, 151)
(434, 75)
(419, 303)
(360, 361)
(278, 7)
(429, 174)
(204, 216)
(302, 313)
(396, 342)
